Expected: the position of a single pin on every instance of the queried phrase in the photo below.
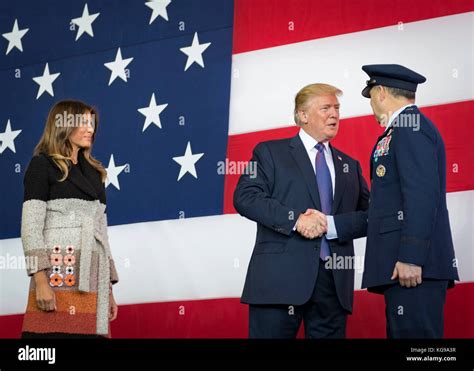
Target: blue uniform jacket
(408, 217)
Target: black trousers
(416, 312)
(323, 316)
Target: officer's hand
(408, 275)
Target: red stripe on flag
(227, 318)
(357, 137)
(260, 24)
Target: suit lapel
(301, 157)
(340, 179)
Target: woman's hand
(113, 307)
(45, 297)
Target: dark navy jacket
(408, 217)
(284, 265)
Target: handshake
(312, 224)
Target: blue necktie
(323, 179)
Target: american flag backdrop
(185, 89)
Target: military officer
(409, 255)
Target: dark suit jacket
(284, 265)
(408, 217)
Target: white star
(113, 173)
(14, 37)
(118, 67)
(159, 9)
(7, 138)
(152, 113)
(188, 162)
(45, 82)
(194, 52)
(85, 22)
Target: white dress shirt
(309, 144)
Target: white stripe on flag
(265, 81)
(201, 258)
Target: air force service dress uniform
(408, 219)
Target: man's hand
(312, 224)
(407, 274)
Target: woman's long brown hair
(55, 139)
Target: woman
(64, 230)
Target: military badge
(380, 171)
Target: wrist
(300, 217)
(40, 278)
(298, 221)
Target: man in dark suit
(302, 266)
(409, 255)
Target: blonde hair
(304, 96)
(55, 139)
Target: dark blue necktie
(323, 178)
